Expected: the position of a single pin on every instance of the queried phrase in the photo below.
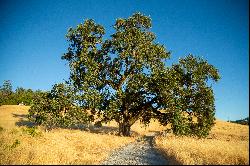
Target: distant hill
(242, 121)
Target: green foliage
(21, 95)
(57, 108)
(98, 124)
(244, 121)
(24, 96)
(192, 104)
(125, 78)
(110, 73)
(32, 131)
(6, 94)
(7, 87)
(15, 144)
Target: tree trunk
(124, 128)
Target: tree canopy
(125, 78)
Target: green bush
(32, 131)
(57, 108)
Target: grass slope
(59, 146)
(228, 143)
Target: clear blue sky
(32, 40)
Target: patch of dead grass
(58, 146)
(228, 143)
(10, 114)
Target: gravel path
(141, 152)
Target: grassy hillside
(21, 145)
(228, 143)
(13, 116)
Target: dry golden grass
(139, 129)
(154, 126)
(10, 114)
(228, 144)
(59, 146)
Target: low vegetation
(57, 108)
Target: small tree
(57, 108)
(7, 87)
(6, 94)
(125, 78)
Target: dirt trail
(141, 152)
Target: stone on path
(137, 153)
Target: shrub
(31, 131)
(57, 108)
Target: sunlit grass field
(228, 143)
(59, 146)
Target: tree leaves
(125, 77)
(57, 108)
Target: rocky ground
(141, 152)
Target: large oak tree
(125, 77)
